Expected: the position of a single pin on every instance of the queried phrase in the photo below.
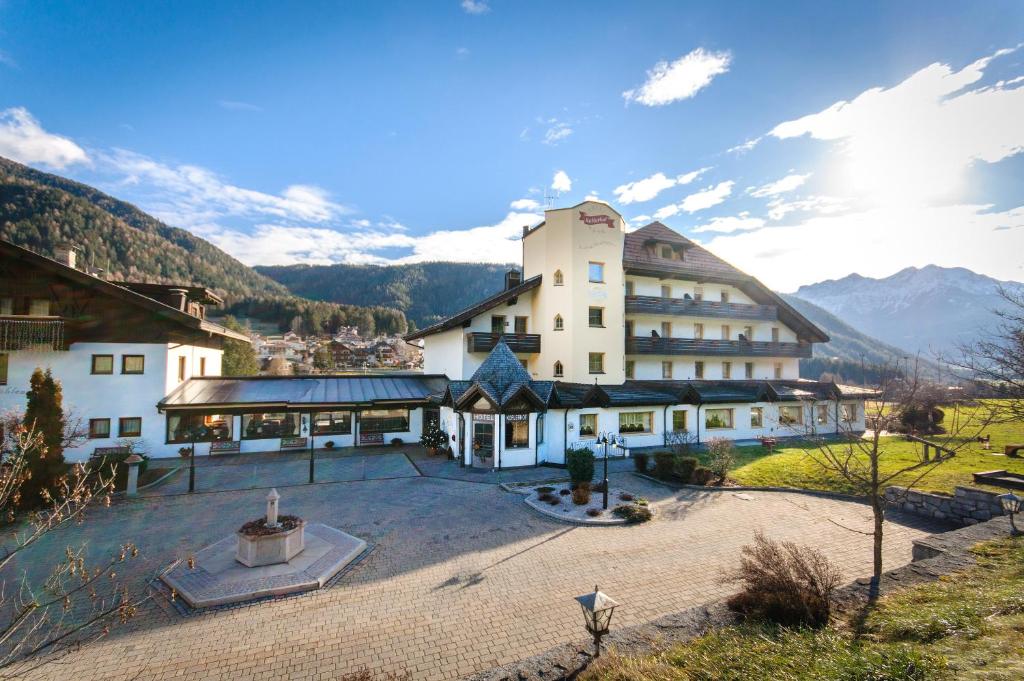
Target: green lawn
(791, 466)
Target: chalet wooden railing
(699, 308)
(20, 332)
(649, 345)
(517, 342)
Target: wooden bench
(225, 447)
(293, 443)
(1012, 450)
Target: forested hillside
(39, 210)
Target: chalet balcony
(21, 332)
(517, 342)
(699, 308)
(647, 345)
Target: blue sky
(801, 142)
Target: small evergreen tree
(239, 357)
(44, 414)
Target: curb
(603, 522)
(747, 488)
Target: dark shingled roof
(481, 307)
(501, 379)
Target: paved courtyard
(462, 576)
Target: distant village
(346, 351)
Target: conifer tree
(44, 413)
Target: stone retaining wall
(967, 506)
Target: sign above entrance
(597, 220)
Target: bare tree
(43, 618)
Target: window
(757, 417)
(679, 421)
(635, 422)
(748, 370)
(384, 421)
(790, 415)
(821, 415)
(559, 324)
(629, 328)
(630, 288)
(595, 271)
(332, 423)
(206, 427)
(269, 425)
(102, 364)
(498, 323)
(726, 332)
(726, 369)
(559, 371)
(666, 329)
(181, 368)
(698, 293)
(666, 369)
(596, 362)
(748, 333)
(775, 334)
(558, 278)
(517, 431)
(848, 412)
(133, 364)
(698, 369)
(596, 317)
(7, 306)
(99, 428)
(698, 331)
(520, 325)
(778, 370)
(39, 307)
(666, 252)
(725, 296)
(202, 366)
(588, 425)
(718, 418)
(3, 369)
(666, 291)
(630, 368)
(129, 426)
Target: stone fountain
(268, 541)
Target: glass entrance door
(483, 443)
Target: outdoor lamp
(1011, 506)
(597, 612)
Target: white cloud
(641, 218)
(745, 147)
(734, 223)
(524, 204)
(23, 139)
(649, 187)
(706, 198)
(778, 207)
(558, 131)
(682, 79)
(781, 186)
(475, 7)
(666, 211)
(233, 105)
(561, 182)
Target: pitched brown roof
(470, 312)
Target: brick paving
(462, 576)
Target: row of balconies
(528, 343)
(22, 332)
(699, 308)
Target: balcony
(699, 308)
(644, 345)
(517, 342)
(21, 332)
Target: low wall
(967, 506)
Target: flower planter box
(271, 549)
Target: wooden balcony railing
(20, 332)
(699, 308)
(517, 342)
(648, 345)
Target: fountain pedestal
(271, 549)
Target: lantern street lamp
(597, 612)
(1011, 504)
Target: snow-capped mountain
(928, 310)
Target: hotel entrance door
(483, 443)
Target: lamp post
(1011, 504)
(603, 440)
(597, 613)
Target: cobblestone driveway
(462, 576)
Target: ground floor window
(263, 426)
(99, 428)
(540, 429)
(679, 421)
(635, 422)
(130, 426)
(790, 415)
(756, 417)
(588, 425)
(517, 431)
(821, 415)
(718, 418)
(384, 421)
(848, 412)
(332, 423)
(207, 427)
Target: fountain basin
(256, 550)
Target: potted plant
(184, 452)
(329, 444)
(397, 441)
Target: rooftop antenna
(549, 199)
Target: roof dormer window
(558, 278)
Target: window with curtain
(848, 411)
(679, 421)
(718, 418)
(208, 427)
(596, 316)
(130, 426)
(756, 417)
(517, 431)
(332, 423)
(384, 421)
(133, 364)
(588, 425)
(595, 361)
(791, 414)
(99, 428)
(263, 426)
(635, 422)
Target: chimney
(66, 254)
(526, 230)
(513, 278)
(178, 298)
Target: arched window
(559, 324)
(558, 277)
(558, 369)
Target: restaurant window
(558, 278)
(748, 370)
(726, 332)
(3, 368)
(265, 426)
(129, 426)
(790, 415)
(666, 291)
(778, 370)
(630, 368)
(517, 431)
(666, 329)
(848, 412)
(206, 427)
(39, 307)
(725, 296)
(559, 372)
(698, 369)
(384, 421)
(99, 428)
(630, 288)
(698, 293)
(718, 418)
(595, 361)
(679, 421)
(202, 366)
(332, 423)
(497, 323)
(595, 272)
(133, 364)
(775, 334)
(596, 317)
(520, 324)
(559, 323)
(635, 422)
(821, 414)
(102, 364)
(726, 369)
(698, 331)
(588, 425)
(666, 369)
(181, 369)
(757, 417)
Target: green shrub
(580, 463)
(663, 465)
(684, 466)
(632, 514)
(702, 476)
(640, 462)
(721, 455)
